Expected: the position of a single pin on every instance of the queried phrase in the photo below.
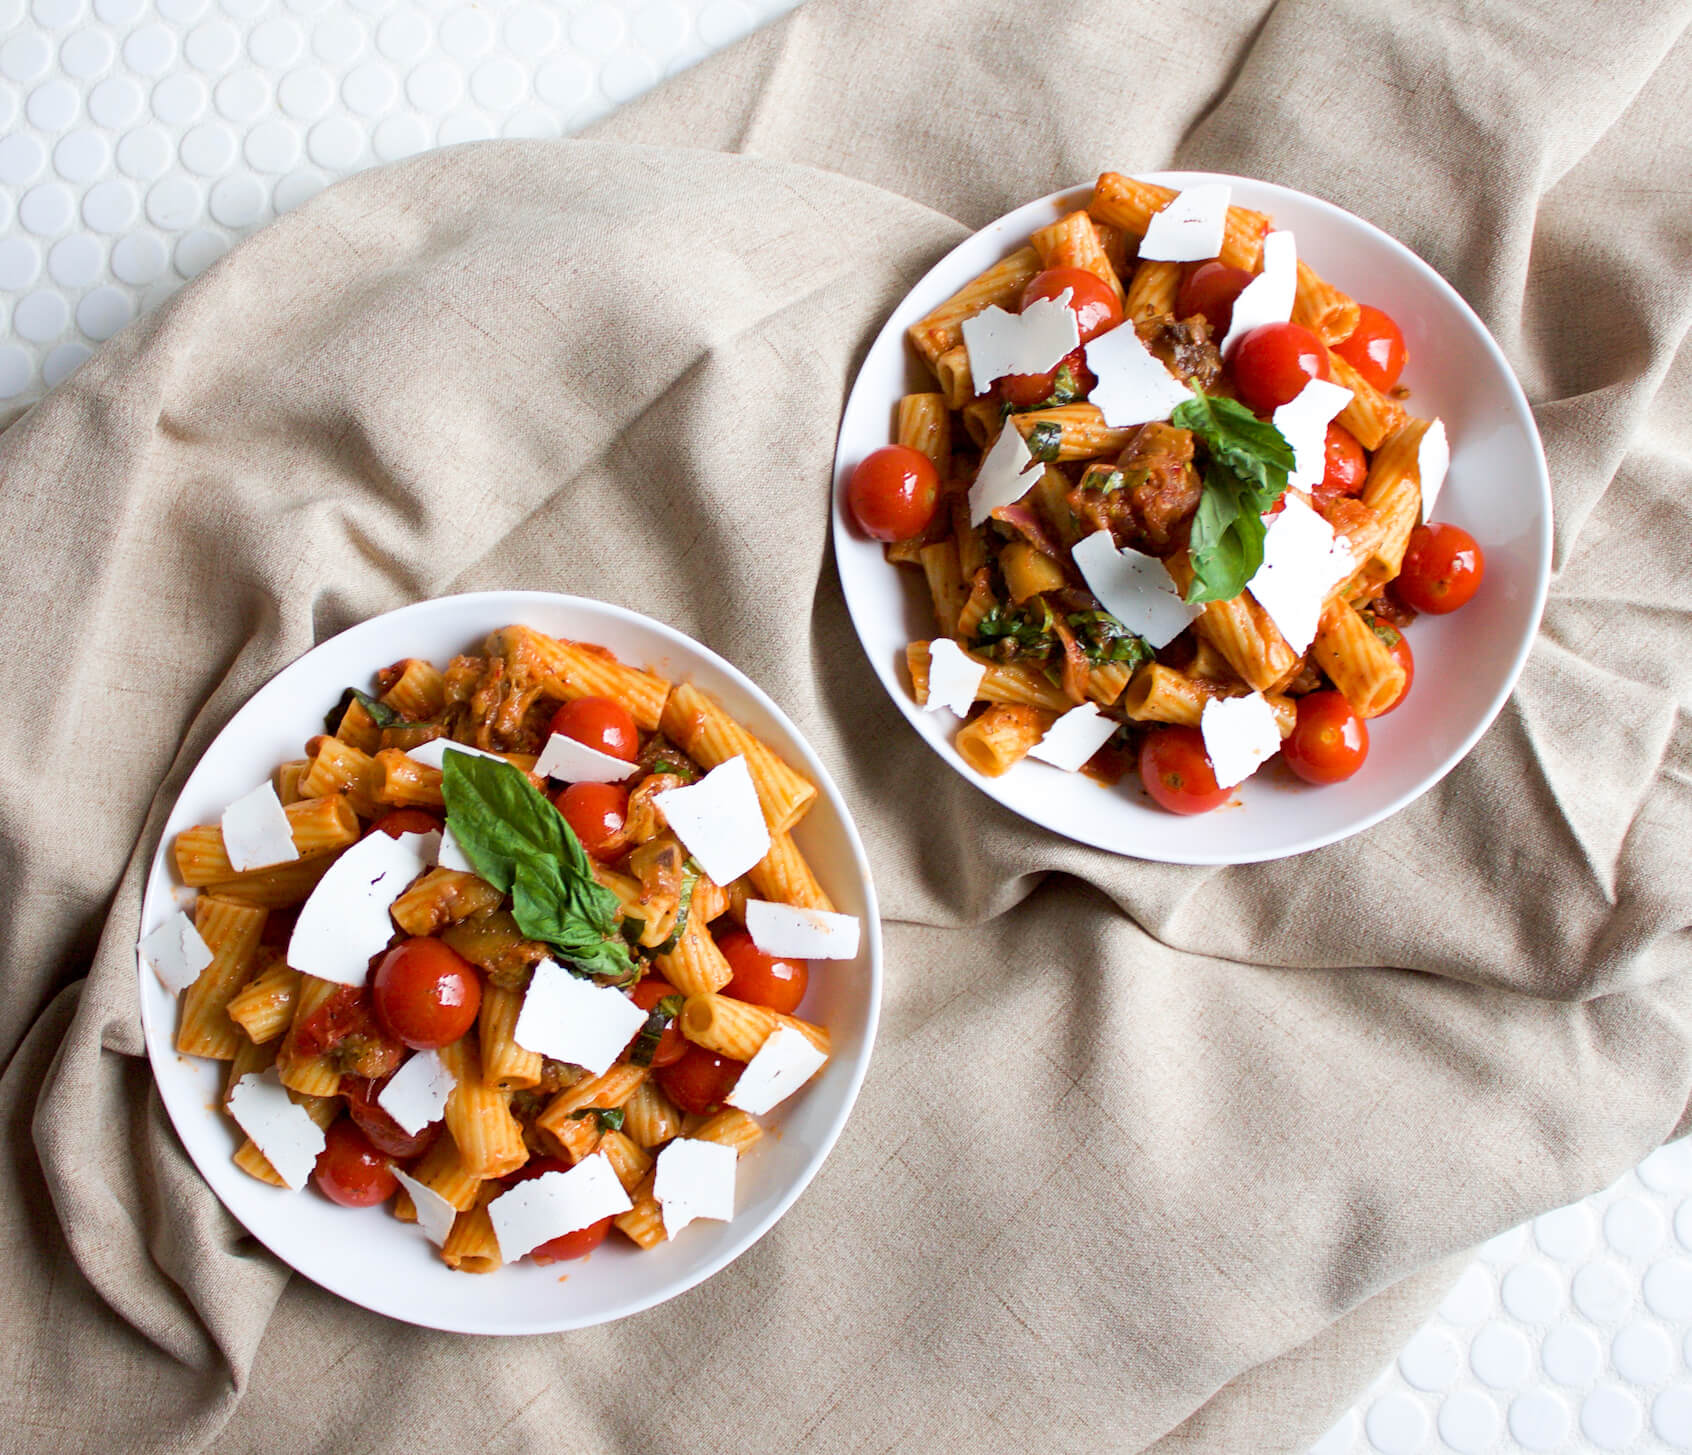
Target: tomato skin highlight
(566, 1245)
(599, 723)
(672, 1045)
(1090, 298)
(598, 815)
(775, 981)
(426, 993)
(1329, 743)
(1274, 362)
(1176, 771)
(1211, 289)
(700, 1080)
(1344, 468)
(350, 1170)
(1443, 568)
(1375, 348)
(893, 492)
(399, 821)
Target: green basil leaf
(380, 713)
(646, 1043)
(1251, 447)
(690, 881)
(1044, 441)
(1226, 546)
(610, 1118)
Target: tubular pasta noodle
(997, 739)
(231, 931)
(315, 823)
(1073, 242)
(736, 1029)
(1129, 204)
(1000, 285)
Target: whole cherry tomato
(893, 492)
(1330, 741)
(598, 815)
(1274, 362)
(1375, 348)
(599, 723)
(350, 1171)
(1090, 298)
(700, 1080)
(672, 1045)
(1211, 289)
(566, 1245)
(397, 821)
(1344, 468)
(1443, 568)
(1399, 646)
(385, 1134)
(426, 993)
(1176, 771)
(1024, 391)
(760, 979)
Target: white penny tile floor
(140, 139)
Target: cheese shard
(575, 1020)
(451, 853)
(1303, 422)
(563, 757)
(803, 934)
(719, 820)
(176, 952)
(694, 1179)
(279, 1127)
(784, 1063)
(1007, 472)
(1074, 738)
(1303, 560)
(256, 833)
(429, 754)
(1240, 735)
(1030, 342)
(1134, 588)
(1433, 459)
(346, 920)
(416, 1094)
(1268, 298)
(435, 1215)
(1133, 386)
(954, 677)
(556, 1203)
(1190, 229)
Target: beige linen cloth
(1148, 1156)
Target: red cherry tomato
(672, 1045)
(1274, 362)
(399, 821)
(385, 1134)
(1176, 771)
(893, 492)
(1330, 741)
(700, 1080)
(598, 814)
(1375, 348)
(1399, 646)
(1443, 567)
(566, 1245)
(760, 979)
(426, 993)
(1090, 298)
(1344, 468)
(600, 723)
(352, 1172)
(345, 1026)
(1211, 289)
(1024, 391)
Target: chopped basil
(690, 881)
(1066, 389)
(380, 713)
(1104, 639)
(610, 1118)
(1045, 440)
(1014, 633)
(646, 1043)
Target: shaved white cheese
(694, 1179)
(784, 1063)
(1134, 588)
(346, 920)
(575, 1020)
(1240, 735)
(1303, 422)
(1133, 387)
(435, 1215)
(256, 833)
(279, 1126)
(1007, 472)
(556, 1203)
(417, 1093)
(954, 677)
(1029, 342)
(1433, 459)
(1190, 228)
(429, 754)
(1302, 562)
(719, 821)
(176, 952)
(1268, 298)
(804, 934)
(451, 853)
(1074, 738)
(563, 757)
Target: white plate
(365, 1255)
(1466, 663)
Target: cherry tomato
(1330, 741)
(1090, 298)
(1176, 771)
(426, 993)
(1399, 645)
(600, 723)
(700, 1080)
(350, 1171)
(1375, 348)
(760, 979)
(1024, 391)
(344, 1027)
(397, 821)
(566, 1245)
(1211, 289)
(385, 1134)
(1274, 362)
(893, 492)
(672, 1045)
(1344, 468)
(598, 814)
(1443, 567)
